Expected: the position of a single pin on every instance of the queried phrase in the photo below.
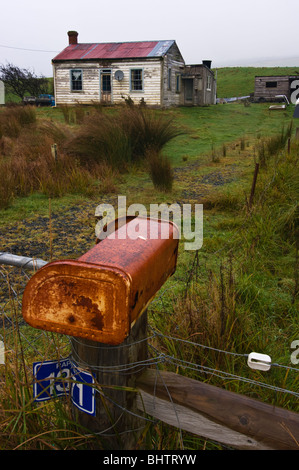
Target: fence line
(27, 263)
(158, 358)
(162, 358)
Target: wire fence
(39, 345)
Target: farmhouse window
(169, 79)
(271, 84)
(76, 80)
(136, 80)
(178, 83)
(209, 83)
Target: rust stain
(92, 309)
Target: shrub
(101, 139)
(122, 137)
(147, 129)
(160, 171)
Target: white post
(2, 93)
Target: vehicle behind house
(41, 100)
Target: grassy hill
(239, 81)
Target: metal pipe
(21, 261)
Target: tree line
(22, 82)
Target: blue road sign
(61, 378)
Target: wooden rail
(213, 413)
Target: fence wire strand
(13, 280)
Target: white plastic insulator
(259, 361)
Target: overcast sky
(230, 33)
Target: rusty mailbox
(100, 295)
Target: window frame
(209, 82)
(72, 81)
(169, 77)
(132, 81)
(106, 72)
(178, 82)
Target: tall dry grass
(27, 163)
(114, 138)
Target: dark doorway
(106, 86)
(188, 82)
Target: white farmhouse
(153, 72)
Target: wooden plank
(271, 427)
(188, 420)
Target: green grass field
(239, 81)
(238, 293)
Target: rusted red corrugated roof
(118, 50)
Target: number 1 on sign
(80, 390)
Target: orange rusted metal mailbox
(100, 295)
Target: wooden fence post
(256, 170)
(115, 369)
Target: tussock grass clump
(160, 171)
(12, 120)
(122, 137)
(21, 176)
(271, 146)
(278, 142)
(147, 129)
(101, 139)
(29, 166)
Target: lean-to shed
(268, 88)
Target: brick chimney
(73, 37)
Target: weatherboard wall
(172, 68)
(119, 89)
(151, 93)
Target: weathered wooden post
(256, 170)
(115, 368)
(54, 151)
(100, 301)
(2, 93)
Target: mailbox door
(79, 299)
